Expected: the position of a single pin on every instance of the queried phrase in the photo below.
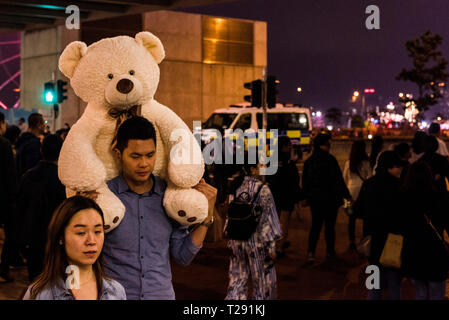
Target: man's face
(41, 126)
(138, 159)
(395, 171)
(2, 127)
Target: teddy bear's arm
(79, 167)
(178, 138)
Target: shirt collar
(157, 185)
(60, 292)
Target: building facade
(208, 59)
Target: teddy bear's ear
(70, 57)
(152, 44)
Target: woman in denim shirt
(73, 266)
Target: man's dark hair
(434, 128)
(22, 119)
(402, 149)
(34, 120)
(387, 160)
(137, 128)
(2, 117)
(431, 144)
(51, 146)
(321, 140)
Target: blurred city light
(370, 136)
(356, 93)
(318, 114)
(299, 89)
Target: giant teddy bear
(118, 78)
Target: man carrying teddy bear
(137, 251)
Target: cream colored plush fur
(87, 162)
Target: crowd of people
(401, 190)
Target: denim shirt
(112, 290)
(137, 252)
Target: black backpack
(243, 216)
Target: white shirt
(442, 148)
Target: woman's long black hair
(357, 156)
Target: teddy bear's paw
(113, 209)
(185, 175)
(186, 206)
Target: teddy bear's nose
(125, 86)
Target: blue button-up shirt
(137, 251)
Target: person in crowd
(380, 201)
(356, 171)
(284, 185)
(28, 145)
(418, 146)
(39, 194)
(404, 152)
(434, 130)
(137, 252)
(425, 258)
(22, 125)
(377, 147)
(73, 268)
(62, 133)
(437, 163)
(256, 255)
(12, 134)
(324, 189)
(8, 186)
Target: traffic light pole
(264, 99)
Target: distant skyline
(324, 47)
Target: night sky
(324, 47)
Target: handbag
(391, 254)
(364, 247)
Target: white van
(294, 122)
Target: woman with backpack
(252, 240)
(357, 170)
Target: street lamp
(299, 89)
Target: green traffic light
(49, 97)
(49, 92)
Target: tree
(333, 115)
(429, 70)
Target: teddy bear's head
(115, 72)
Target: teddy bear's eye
(131, 72)
(110, 76)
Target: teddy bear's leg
(187, 206)
(113, 209)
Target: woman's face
(84, 237)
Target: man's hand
(88, 194)
(211, 196)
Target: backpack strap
(257, 194)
